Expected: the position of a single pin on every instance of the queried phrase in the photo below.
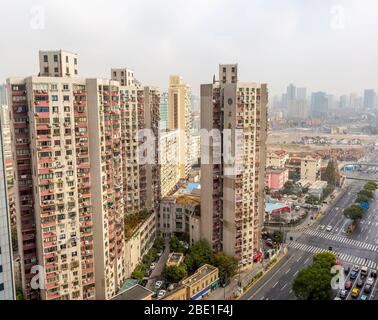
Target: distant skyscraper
(369, 98)
(301, 93)
(319, 105)
(291, 93)
(344, 102)
(232, 202)
(3, 95)
(7, 289)
(164, 111)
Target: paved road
(361, 248)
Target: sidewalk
(244, 277)
(156, 273)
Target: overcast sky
(323, 45)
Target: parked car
(355, 292)
(346, 269)
(329, 228)
(171, 287)
(360, 283)
(348, 285)
(370, 281)
(158, 284)
(153, 266)
(353, 275)
(159, 254)
(364, 297)
(373, 273)
(343, 294)
(161, 294)
(364, 271)
(367, 288)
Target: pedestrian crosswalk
(342, 256)
(342, 239)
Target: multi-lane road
(359, 249)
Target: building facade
(180, 118)
(232, 194)
(7, 286)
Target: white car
(153, 266)
(329, 228)
(322, 227)
(158, 284)
(370, 281)
(161, 294)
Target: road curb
(263, 274)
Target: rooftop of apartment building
(137, 292)
(275, 170)
(201, 273)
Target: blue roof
(269, 207)
(192, 186)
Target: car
(269, 243)
(171, 287)
(370, 281)
(346, 269)
(364, 297)
(353, 275)
(373, 274)
(348, 285)
(355, 292)
(367, 288)
(158, 284)
(329, 228)
(343, 294)
(161, 294)
(364, 271)
(159, 254)
(153, 266)
(356, 268)
(322, 227)
(360, 283)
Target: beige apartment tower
(232, 194)
(180, 118)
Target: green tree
(370, 186)
(228, 266)
(362, 198)
(199, 254)
(331, 173)
(366, 193)
(314, 282)
(175, 274)
(138, 273)
(19, 293)
(159, 244)
(175, 245)
(354, 213)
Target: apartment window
(1, 286)
(54, 98)
(46, 69)
(67, 59)
(56, 70)
(65, 87)
(1, 268)
(45, 58)
(55, 58)
(75, 61)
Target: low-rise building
(198, 285)
(310, 168)
(276, 178)
(317, 188)
(180, 215)
(136, 292)
(175, 259)
(277, 159)
(139, 239)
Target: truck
(351, 228)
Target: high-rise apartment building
(77, 175)
(7, 287)
(180, 118)
(370, 98)
(3, 95)
(164, 111)
(53, 186)
(168, 159)
(58, 64)
(319, 105)
(232, 193)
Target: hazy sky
(323, 45)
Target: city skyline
(176, 40)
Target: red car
(348, 285)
